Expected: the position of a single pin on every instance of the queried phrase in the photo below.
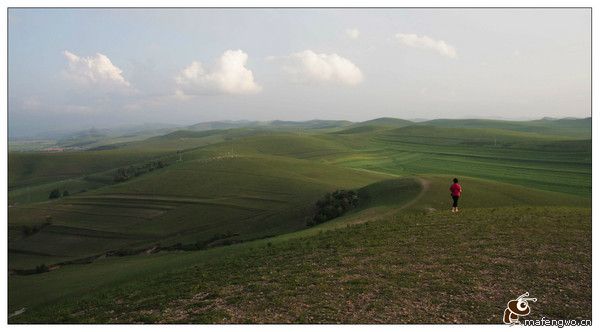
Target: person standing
(455, 191)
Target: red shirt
(455, 189)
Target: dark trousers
(454, 201)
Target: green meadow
(218, 233)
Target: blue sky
(74, 69)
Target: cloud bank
(95, 70)
(310, 67)
(426, 43)
(228, 76)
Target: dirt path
(425, 185)
(16, 313)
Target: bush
(41, 268)
(55, 193)
(65, 193)
(333, 205)
(29, 230)
(121, 175)
(124, 174)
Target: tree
(42, 268)
(55, 193)
(333, 205)
(121, 175)
(29, 230)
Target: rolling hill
(577, 128)
(373, 250)
(385, 122)
(218, 232)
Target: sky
(72, 69)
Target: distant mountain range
(94, 137)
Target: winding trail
(425, 185)
(16, 313)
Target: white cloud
(310, 67)
(95, 70)
(427, 43)
(229, 75)
(353, 33)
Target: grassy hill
(577, 128)
(386, 122)
(360, 129)
(540, 161)
(384, 258)
(102, 138)
(188, 202)
(271, 125)
(219, 232)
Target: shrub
(333, 205)
(55, 193)
(65, 193)
(124, 174)
(121, 175)
(41, 268)
(29, 230)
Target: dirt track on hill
(425, 185)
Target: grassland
(252, 197)
(580, 128)
(398, 257)
(431, 268)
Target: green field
(219, 234)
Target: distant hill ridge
(576, 128)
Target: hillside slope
(219, 232)
(415, 204)
(232, 198)
(408, 268)
(577, 128)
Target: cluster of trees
(333, 205)
(55, 193)
(38, 269)
(126, 173)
